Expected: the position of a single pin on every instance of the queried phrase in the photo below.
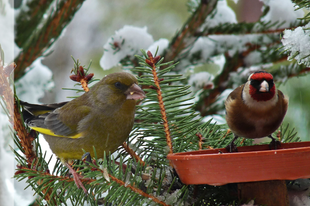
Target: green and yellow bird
(101, 118)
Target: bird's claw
(274, 144)
(231, 147)
(86, 157)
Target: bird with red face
(255, 109)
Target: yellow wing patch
(49, 132)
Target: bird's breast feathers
(252, 119)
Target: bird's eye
(270, 82)
(118, 85)
(255, 83)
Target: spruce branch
(25, 137)
(136, 190)
(29, 19)
(41, 40)
(185, 37)
(132, 153)
(302, 71)
(201, 138)
(23, 140)
(244, 28)
(152, 61)
(81, 75)
(231, 64)
(300, 4)
(12, 108)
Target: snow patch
(126, 42)
(281, 10)
(297, 42)
(34, 83)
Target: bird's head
(261, 86)
(125, 84)
(118, 87)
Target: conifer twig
(152, 62)
(200, 140)
(45, 191)
(279, 135)
(82, 77)
(29, 18)
(185, 37)
(132, 153)
(241, 29)
(24, 137)
(25, 140)
(13, 110)
(136, 190)
(46, 36)
(303, 71)
(88, 181)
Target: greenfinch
(101, 118)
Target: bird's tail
(31, 111)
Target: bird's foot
(77, 178)
(274, 144)
(231, 147)
(86, 158)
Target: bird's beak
(135, 92)
(264, 87)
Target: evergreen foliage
(169, 120)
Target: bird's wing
(60, 122)
(285, 101)
(33, 110)
(237, 93)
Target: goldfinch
(255, 109)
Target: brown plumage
(255, 109)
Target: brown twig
(201, 138)
(45, 191)
(47, 36)
(152, 62)
(13, 110)
(305, 70)
(26, 143)
(242, 141)
(136, 190)
(25, 140)
(24, 137)
(82, 77)
(88, 181)
(185, 37)
(21, 169)
(29, 18)
(232, 64)
(248, 32)
(279, 135)
(227, 133)
(132, 153)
